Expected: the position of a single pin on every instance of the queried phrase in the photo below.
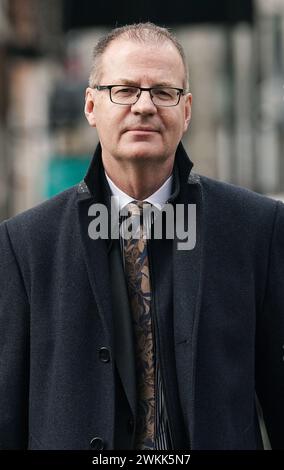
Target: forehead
(142, 61)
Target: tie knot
(136, 218)
(137, 207)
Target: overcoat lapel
(95, 254)
(93, 191)
(187, 285)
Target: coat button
(104, 355)
(97, 443)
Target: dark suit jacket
(57, 368)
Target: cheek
(105, 125)
(108, 131)
(175, 125)
(110, 122)
(172, 118)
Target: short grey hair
(139, 32)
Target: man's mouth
(141, 129)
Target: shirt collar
(158, 198)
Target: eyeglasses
(128, 95)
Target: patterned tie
(139, 290)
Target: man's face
(141, 131)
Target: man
(71, 359)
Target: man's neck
(139, 181)
(158, 199)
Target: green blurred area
(63, 172)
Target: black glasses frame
(109, 87)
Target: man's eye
(125, 91)
(163, 93)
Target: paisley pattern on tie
(139, 289)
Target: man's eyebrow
(164, 84)
(126, 81)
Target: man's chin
(144, 153)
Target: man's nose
(144, 105)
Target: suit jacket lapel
(123, 338)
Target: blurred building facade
(236, 77)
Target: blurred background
(235, 50)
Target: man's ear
(187, 110)
(90, 107)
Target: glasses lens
(165, 96)
(124, 94)
(161, 96)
